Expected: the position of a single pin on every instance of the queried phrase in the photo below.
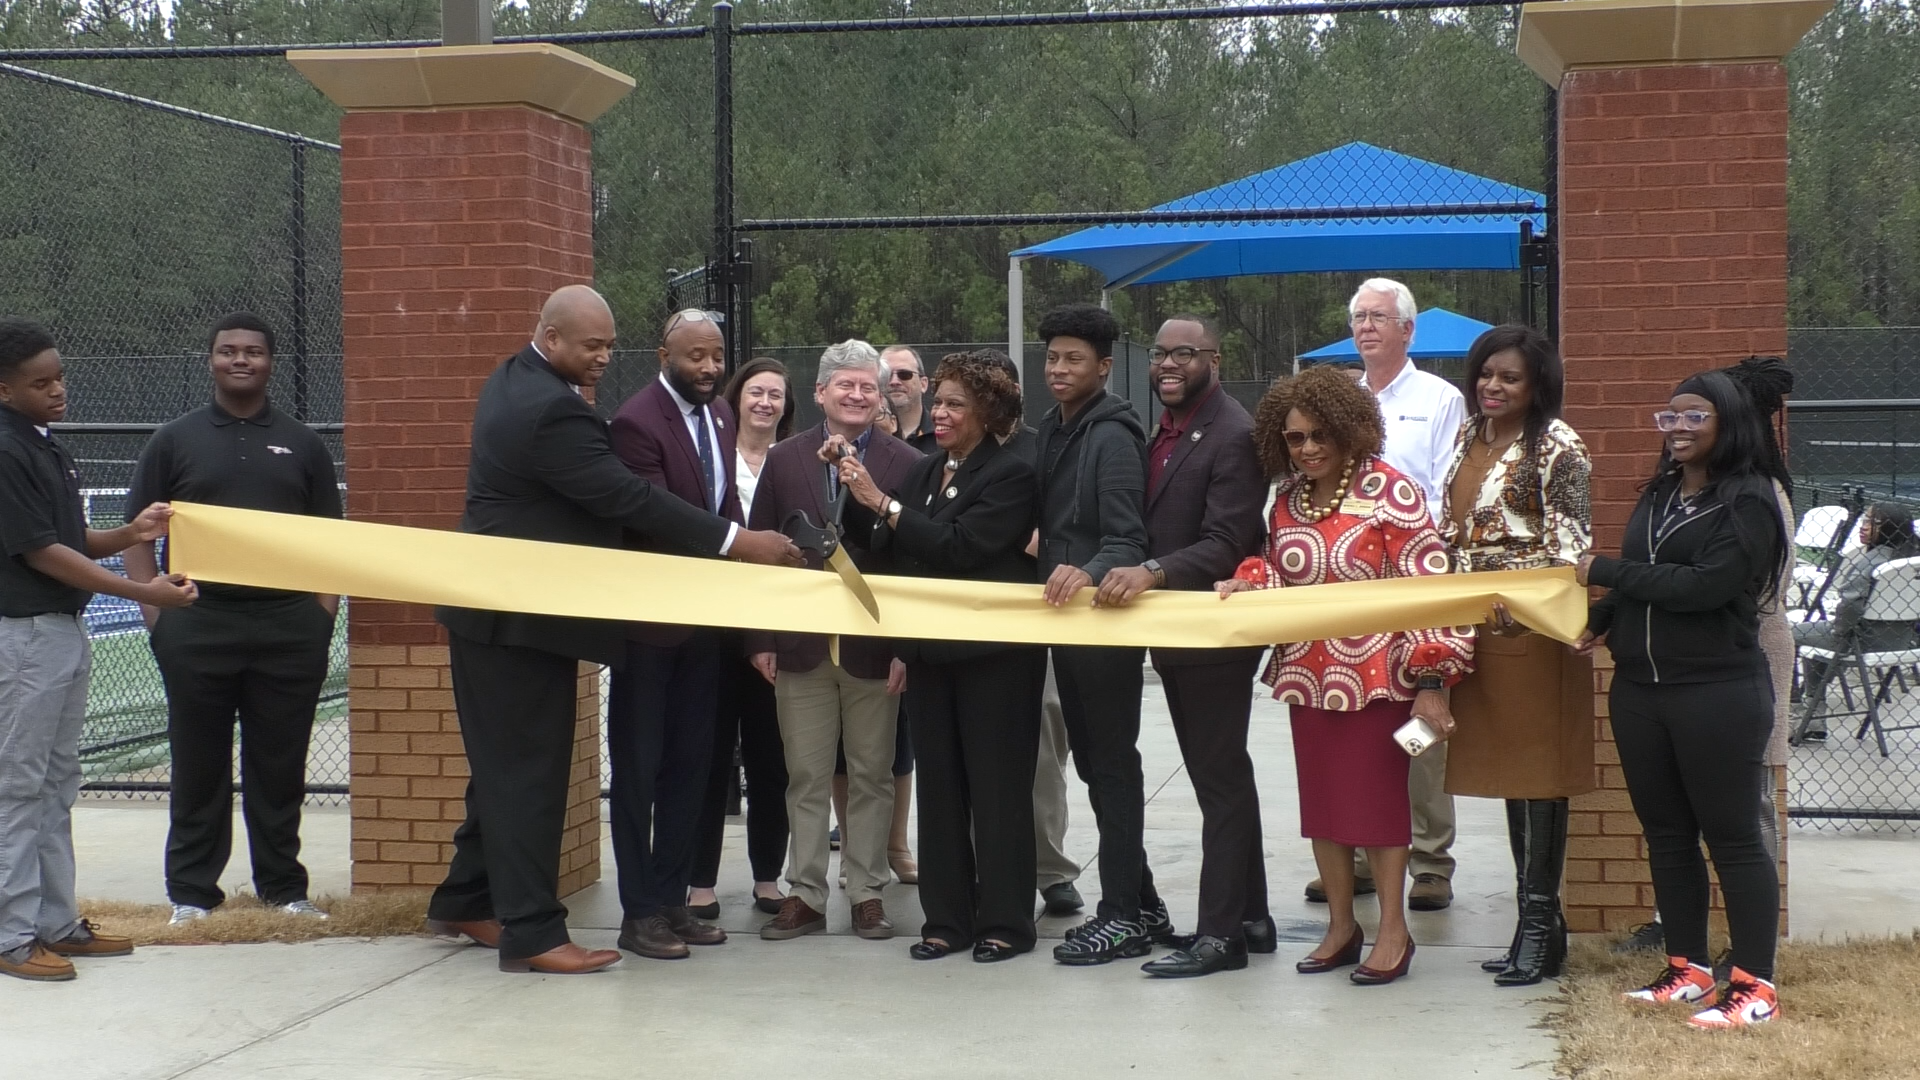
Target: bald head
(576, 334)
(693, 355)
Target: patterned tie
(705, 444)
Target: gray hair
(851, 353)
(1402, 296)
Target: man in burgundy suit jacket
(678, 434)
(1204, 494)
(822, 704)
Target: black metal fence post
(301, 392)
(720, 275)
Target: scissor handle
(810, 537)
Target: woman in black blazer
(967, 513)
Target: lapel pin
(1196, 436)
(953, 492)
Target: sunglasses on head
(692, 315)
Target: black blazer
(541, 468)
(980, 533)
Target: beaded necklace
(1302, 504)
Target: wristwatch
(893, 509)
(1430, 682)
(1152, 566)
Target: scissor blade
(842, 564)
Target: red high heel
(1348, 956)
(1366, 976)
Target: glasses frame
(687, 315)
(1666, 420)
(1158, 356)
(1295, 440)
(1368, 318)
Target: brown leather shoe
(482, 931)
(653, 938)
(870, 921)
(796, 919)
(87, 940)
(1430, 892)
(568, 959)
(691, 930)
(36, 965)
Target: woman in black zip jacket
(1692, 701)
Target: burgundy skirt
(1353, 776)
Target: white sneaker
(304, 909)
(186, 913)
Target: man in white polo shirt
(1423, 414)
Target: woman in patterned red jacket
(1341, 513)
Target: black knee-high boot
(1542, 947)
(1517, 839)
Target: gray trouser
(44, 664)
(1050, 793)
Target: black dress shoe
(929, 950)
(767, 904)
(992, 952)
(1061, 898)
(704, 911)
(1204, 957)
(1262, 936)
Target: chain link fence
(129, 227)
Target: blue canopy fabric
(1437, 333)
(1355, 176)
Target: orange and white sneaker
(1682, 981)
(1746, 1001)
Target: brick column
(1673, 259)
(465, 200)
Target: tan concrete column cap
(542, 76)
(1558, 36)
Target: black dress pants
(1211, 704)
(1694, 757)
(976, 734)
(264, 662)
(516, 719)
(746, 718)
(660, 717)
(1100, 704)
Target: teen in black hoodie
(1090, 452)
(1692, 701)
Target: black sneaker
(1156, 924)
(1100, 940)
(1647, 937)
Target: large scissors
(827, 541)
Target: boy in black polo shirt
(260, 654)
(47, 575)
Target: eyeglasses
(1298, 439)
(902, 375)
(1691, 420)
(692, 315)
(1369, 318)
(1184, 355)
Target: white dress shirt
(1423, 414)
(694, 417)
(746, 482)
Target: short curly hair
(987, 375)
(1343, 408)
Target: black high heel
(1517, 840)
(1542, 949)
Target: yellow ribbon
(428, 566)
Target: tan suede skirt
(1525, 726)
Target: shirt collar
(859, 445)
(17, 420)
(263, 418)
(1398, 381)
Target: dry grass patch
(1847, 1012)
(245, 919)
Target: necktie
(705, 443)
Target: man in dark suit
(1204, 493)
(677, 434)
(542, 468)
(823, 704)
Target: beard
(688, 392)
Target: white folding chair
(1895, 598)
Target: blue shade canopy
(1354, 176)
(1437, 333)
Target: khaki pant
(1432, 817)
(1050, 794)
(820, 710)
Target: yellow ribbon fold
(428, 566)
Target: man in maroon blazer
(1204, 494)
(678, 434)
(822, 704)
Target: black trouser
(263, 661)
(976, 730)
(517, 721)
(1211, 705)
(659, 742)
(1694, 759)
(746, 718)
(1100, 704)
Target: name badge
(1358, 507)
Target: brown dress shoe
(568, 959)
(482, 931)
(652, 937)
(1430, 892)
(795, 920)
(35, 964)
(870, 921)
(691, 930)
(87, 940)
